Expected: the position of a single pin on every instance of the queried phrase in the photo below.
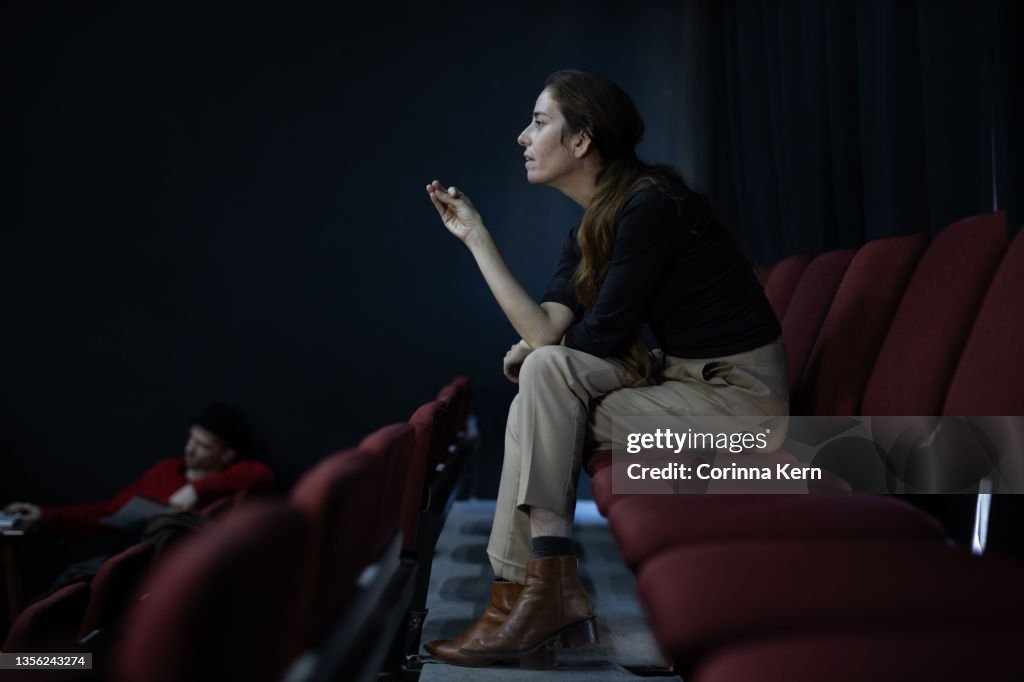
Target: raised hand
(456, 211)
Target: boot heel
(543, 658)
(580, 634)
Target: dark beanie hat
(228, 422)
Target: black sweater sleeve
(560, 288)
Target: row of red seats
(328, 584)
(860, 586)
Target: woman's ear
(581, 143)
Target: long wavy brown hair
(591, 102)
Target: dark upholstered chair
(783, 280)
(880, 654)
(340, 498)
(223, 605)
(51, 624)
(808, 307)
(701, 597)
(114, 587)
(923, 345)
(853, 331)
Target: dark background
(226, 202)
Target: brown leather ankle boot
(551, 609)
(503, 596)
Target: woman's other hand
(514, 360)
(456, 211)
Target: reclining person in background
(212, 468)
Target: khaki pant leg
(544, 439)
(749, 384)
(509, 546)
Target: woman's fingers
(436, 189)
(437, 203)
(436, 186)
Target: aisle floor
(460, 585)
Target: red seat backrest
(458, 397)
(340, 498)
(49, 625)
(934, 318)
(114, 586)
(808, 308)
(394, 445)
(783, 280)
(989, 380)
(855, 327)
(431, 425)
(223, 605)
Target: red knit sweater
(164, 479)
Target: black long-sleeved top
(675, 268)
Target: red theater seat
(394, 444)
(808, 308)
(855, 327)
(783, 280)
(882, 654)
(340, 499)
(114, 586)
(989, 380)
(701, 597)
(224, 605)
(638, 521)
(431, 424)
(458, 398)
(924, 342)
(50, 625)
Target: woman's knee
(544, 361)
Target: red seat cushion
(645, 525)
(700, 597)
(879, 654)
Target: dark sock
(551, 545)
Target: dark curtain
(823, 125)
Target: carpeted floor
(460, 584)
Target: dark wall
(228, 203)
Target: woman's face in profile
(547, 159)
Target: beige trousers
(568, 398)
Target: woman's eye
(537, 123)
